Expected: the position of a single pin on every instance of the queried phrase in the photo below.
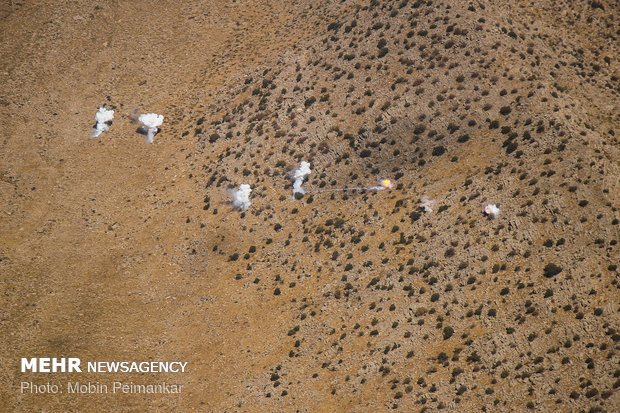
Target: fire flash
(386, 184)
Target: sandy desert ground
(356, 301)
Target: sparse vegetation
(348, 292)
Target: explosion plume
(427, 204)
(491, 210)
(151, 122)
(103, 117)
(299, 175)
(241, 197)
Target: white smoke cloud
(241, 197)
(491, 210)
(428, 204)
(151, 122)
(103, 117)
(299, 175)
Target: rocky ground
(113, 249)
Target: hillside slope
(354, 300)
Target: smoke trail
(299, 175)
(385, 184)
(241, 197)
(360, 188)
(427, 204)
(151, 122)
(103, 117)
(491, 210)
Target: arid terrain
(339, 301)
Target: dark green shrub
(438, 150)
(447, 332)
(463, 138)
(511, 147)
(551, 270)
